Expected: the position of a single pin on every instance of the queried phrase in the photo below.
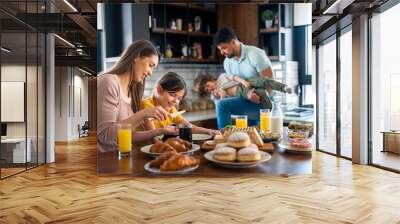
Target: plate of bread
(172, 144)
(255, 138)
(237, 152)
(172, 162)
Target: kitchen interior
(350, 79)
(183, 33)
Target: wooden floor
(386, 159)
(69, 191)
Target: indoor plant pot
(268, 17)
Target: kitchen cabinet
(184, 32)
(277, 39)
(242, 18)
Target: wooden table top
(281, 163)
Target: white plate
(157, 170)
(201, 137)
(264, 157)
(146, 150)
(290, 148)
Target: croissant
(160, 147)
(161, 159)
(177, 162)
(186, 143)
(179, 145)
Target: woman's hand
(170, 130)
(213, 132)
(157, 112)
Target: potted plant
(268, 17)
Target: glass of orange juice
(124, 139)
(233, 119)
(265, 120)
(241, 121)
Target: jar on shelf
(168, 52)
(190, 27)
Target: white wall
(16, 72)
(33, 127)
(70, 83)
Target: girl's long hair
(139, 48)
(172, 83)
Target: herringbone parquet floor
(69, 191)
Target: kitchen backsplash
(285, 72)
(187, 71)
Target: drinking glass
(124, 139)
(241, 121)
(265, 120)
(233, 119)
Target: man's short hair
(224, 35)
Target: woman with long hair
(120, 91)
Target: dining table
(281, 163)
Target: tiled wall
(286, 72)
(187, 71)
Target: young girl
(169, 91)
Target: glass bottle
(277, 118)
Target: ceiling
(75, 21)
(72, 20)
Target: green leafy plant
(267, 15)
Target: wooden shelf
(186, 60)
(180, 32)
(272, 30)
(167, 30)
(203, 60)
(273, 58)
(173, 60)
(191, 6)
(200, 34)
(163, 35)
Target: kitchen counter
(200, 115)
(210, 114)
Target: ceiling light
(326, 11)
(338, 6)
(65, 41)
(70, 5)
(84, 71)
(5, 50)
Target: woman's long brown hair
(139, 48)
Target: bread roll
(239, 140)
(227, 154)
(248, 154)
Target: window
(385, 87)
(327, 96)
(346, 94)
